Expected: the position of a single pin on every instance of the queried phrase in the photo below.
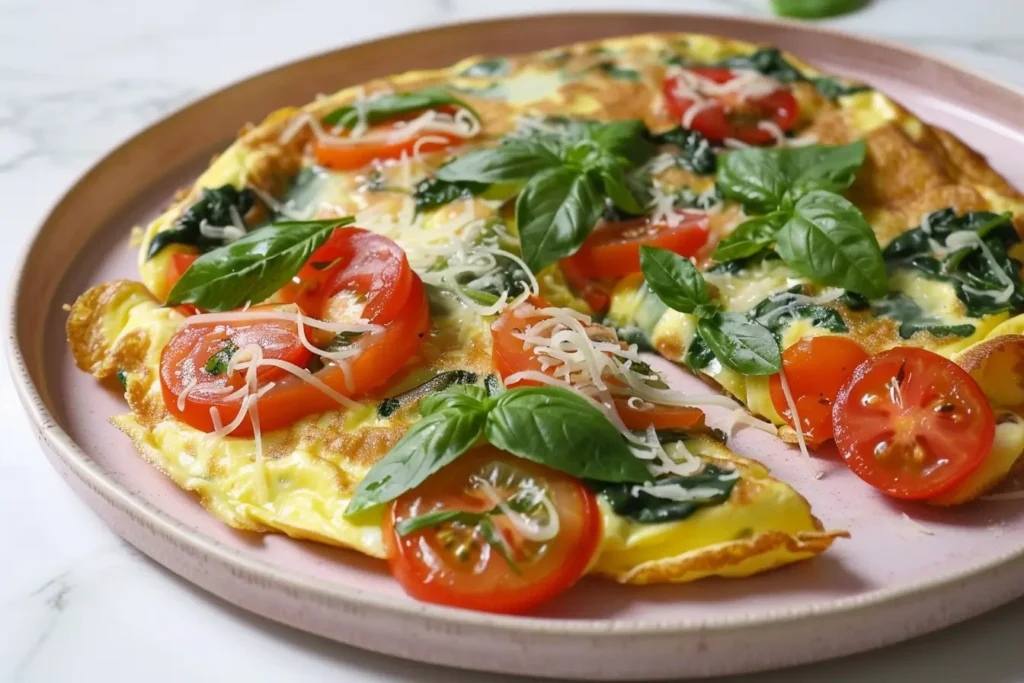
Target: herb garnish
(439, 382)
(252, 268)
(818, 233)
(215, 207)
(647, 509)
(739, 343)
(695, 152)
(567, 175)
(217, 364)
(548, 425)
(479, 521)
(431, 193)
(770, 62)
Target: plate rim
(61, 446)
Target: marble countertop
(78, 77)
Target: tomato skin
(716, 121)
(427, 572)
(912, 423)
(350, 156)
(613, 249)
(816, 369)
(358, 260)
(597, 294)
(660, 417)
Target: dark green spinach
(430, 193)
(644, 508)
(215, 207)
(695, 152)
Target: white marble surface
(77, 77)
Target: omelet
(300, 480)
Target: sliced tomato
(368, 266)
(597, 293)
(660, 417)
(483, 560)
(816, 369)
(345, 154)
(724, 116)
(613, 249)
(912, 423)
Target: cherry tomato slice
(597, 293)
(369, 265)
(816, 369)
(468, 562)
(724, 116)
(349, 155)
(613, 249)
(683, 418)
(912, 423)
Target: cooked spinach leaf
(779, 310)
(832, 89)
(218, 207)
(488, 68)
(430, 193)
(217, 364)
(644, 508)
(976, 261)
(442, 381)
(378, 109)
(695, 152)
(698, 354)
(904, 310)
(122, 377)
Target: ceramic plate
(906, 570)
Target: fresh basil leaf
(747, 239)
(430, 193)
(762, 179)
(741, 344)
(515, 160)
(217, 364)
(674, 279)
(385, 107)
(822, 167)
(253, 267)
(463, 396)
(560, 429)
(623, 139)
(698, 355)
(647, 509)
(488, 68)
(555, 212)
(695, 152)
(828, 241)
(815, 9)
(216, 206)
(618, 190)
(430, 444)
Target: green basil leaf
(747, 239)
(555, 212)
(761, 179)
(462, 397)
(624, 139)
(753, 177)
(827, 240)
(430, 444)
(515, 160)
(741, 344)
(252, 268)
(437, 518)
(674, 279)
(496, 540)
(616, 186)
(430, 193)
(822, 167)
(378, 109)
(560, 429)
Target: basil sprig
(736, 341)
(548, 425)
(252, 268)
(817, 232)
(378, 109)
(567, 175)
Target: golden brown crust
(86, 333)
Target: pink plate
(907, 570)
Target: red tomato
(660, 417)
(347, 155)
(613, 249)
(816, 369)
(176, 266)
(912, 423)
(726, 116)
(597, 294)
(457, 563)
(354, 260)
